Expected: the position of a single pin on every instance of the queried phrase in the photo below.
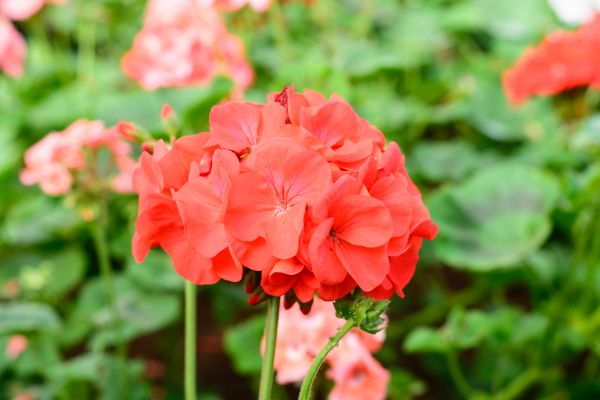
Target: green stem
(517, 387)
(190, 341)
(307, 384)
(266, 374)
(102, 251)
(458, 378)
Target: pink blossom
(16, 345)
(53, 161)
(301, 337)
(12, 49)
(356, 374)
(184, 43)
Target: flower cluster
(354, 371)
(52, 161)
(564, 60)
(301, 190)
(186, 43)
(12, 44)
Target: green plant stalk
(102, 251)
(517, 387)
(266, 373)
(457, 376)
(307, 384)
(190, 341)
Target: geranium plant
(301, 196)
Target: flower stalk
(98, 228)
(190, 341)
(313, 371)
(266, 374)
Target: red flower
(564, 60)
(300, 191)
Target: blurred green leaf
(37, 219)
(242, 344)
(28, 317)
(425, 340)
(495, 219)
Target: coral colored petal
(254, 255)
(200, 211)
(283, 231)
(234, 125)
(324, 262)
(362, 221)
(334, 292)
(227, 267)
(402, 268)
(251, 203)
(330, 122)
(368, 266)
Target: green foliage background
(504, 304)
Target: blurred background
(504, 303)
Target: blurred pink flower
(184, 43)
(356, 374)
(12, 49)
(301, 337)
(20, 9)
(16, 345)
(52, 161)
(12, 44)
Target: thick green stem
(307, 384)
(520, 385)
(266, 374)
(190, 341)
(102, 251)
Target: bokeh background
(504, 304)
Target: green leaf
(495, 219)
(242, 343)
(466, 329)
(42, 275)
(28, 317)
(37, 219)
(425, 340)
(447, 161)
(156, 272)
(405, 385)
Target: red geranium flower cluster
(301, 190)
(564, 60)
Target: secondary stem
(190, 341)
(266, 374)
(457, 376)
(102, 251)
(307, 384)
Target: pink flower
(16, 345)
(20, 9)
(355, 373)
(12, 49)
(301, 337)
(59, 156)
(183, 43)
